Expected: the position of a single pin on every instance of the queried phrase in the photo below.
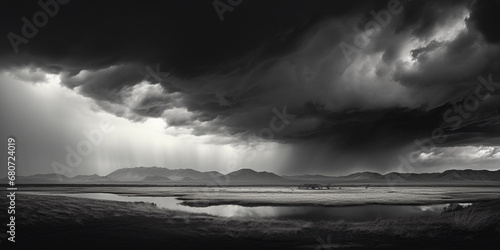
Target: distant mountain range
(140, 173)
(160, 176)
(248, 175)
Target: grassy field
(51, 222)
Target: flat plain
(86, 223)
(291, 196)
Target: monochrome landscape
(250, 124)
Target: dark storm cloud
(422, 51)
(479, 128)
(153, 106)
(422, 17)
(185, 37)
(104, 84)
(487, 20)
(265, 55)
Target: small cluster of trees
(317, 186)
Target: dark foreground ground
(51, 222)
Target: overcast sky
(292, 87)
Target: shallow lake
(348, 213)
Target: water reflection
(348, 213)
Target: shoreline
(77, 222)
(193, 203)
(280, 197)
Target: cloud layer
(357, 93)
